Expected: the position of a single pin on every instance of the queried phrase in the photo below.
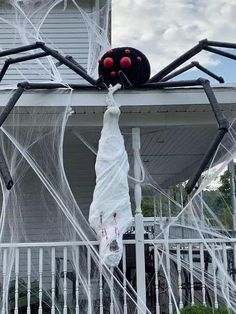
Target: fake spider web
(32, 141)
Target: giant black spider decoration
(131, 68)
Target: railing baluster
(224, 251)
(89, 282)
(40, 311)
(234, 249)
(191, 272)
(28, 280)
(112, 291)
(124, 278)
(100, 289)
(4, 273)
(53, 270)
(179, 277)
(169, 277)
(156, 269)
(16, 280)
(77, 280)
(65, 280)
(214, 276)
(203, 274)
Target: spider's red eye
(125, 62)
(113, 74)
(108, 63)
(127, 51)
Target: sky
(164, 29)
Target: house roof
(177, 125)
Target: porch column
(139, 228)
(96, 5)
(201, 214)
(232, 190)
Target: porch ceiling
(170, 153)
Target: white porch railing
(190, 274)
(42, 276)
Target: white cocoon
(110, 212)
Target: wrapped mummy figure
(110, 212)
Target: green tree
(148, 203)
(224, 189)
(147, 206)
(218, 200)
(223, 201)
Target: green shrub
(201, 309)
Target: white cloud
(163, 29)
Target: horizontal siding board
(69, 41)
(77, 28)
(30, 65)
(56, 31)
(80, 48)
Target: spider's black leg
(208, 72)
(202, 45)
(4, 68)
(223, 123)
(76, 63)
(53, 53)
(177, 62)
(68, 57)
(11, 103)
(13, 51)
(53, 85)
(221, 44)
(178, 72)
(223, 126)
(221, 53)
(72, 66)
(190, 66)
(5, 173)
(182, 83)
(10, 61)
(99, 83)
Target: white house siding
(64, 30)
(79, 164)
(38, 208)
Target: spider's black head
(132, 62)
